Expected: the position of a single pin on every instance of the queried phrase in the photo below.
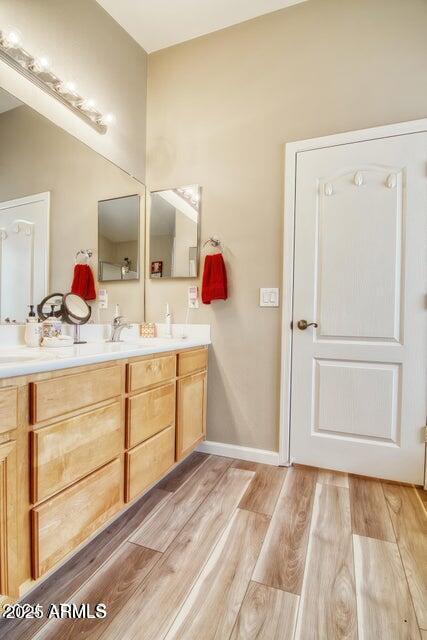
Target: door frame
(292, 149)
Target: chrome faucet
(117, 326)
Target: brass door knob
(303, 324)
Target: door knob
(303, 324)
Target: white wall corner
(242, 453)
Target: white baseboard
(242, 453)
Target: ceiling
(156, 24)
(7, 101)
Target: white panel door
(24, 254)
(359, 378)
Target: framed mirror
(118, 238)
(51, 185)
(175, 232)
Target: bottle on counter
(33, 330)
(51, 328)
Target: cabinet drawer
(150, 412)
(148, 461)
(68, 450)
(190, 361)
(58, 396)
(60, 524)
(146, 373)
(8, 409)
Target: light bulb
(110, 118)
(71, 86)
(42, 64)
(13, 38)
(87, 104)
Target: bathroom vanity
(83, 436)
(86, 429)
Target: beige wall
(220, 109)
(87, 46)
(37, 156)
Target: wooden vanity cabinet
(77, 444)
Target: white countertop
(21, 360)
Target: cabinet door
(191, 412)
(8, 409)
(8, 531)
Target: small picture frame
(157, 269)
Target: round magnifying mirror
(77, 310)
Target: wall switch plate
(193, 297)
(269, 297)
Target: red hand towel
(83, 283)
(214, 284)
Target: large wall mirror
(51, 189)
(175, 232)
(118, 238)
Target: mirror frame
(148, 235)
(140, 199)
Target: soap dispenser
(32, 329)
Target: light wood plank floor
(224, 549)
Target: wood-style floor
(225, 549)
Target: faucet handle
(117, 320)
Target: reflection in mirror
(118, 238)
(24, 253)
(175, 232)
(50, 187)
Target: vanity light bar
(38, 71)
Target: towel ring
(213, 241)
(87, 253)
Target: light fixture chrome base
(25, 64)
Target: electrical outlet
(269, 297)
(103, 298)
(193, 297)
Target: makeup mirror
(75, 309)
